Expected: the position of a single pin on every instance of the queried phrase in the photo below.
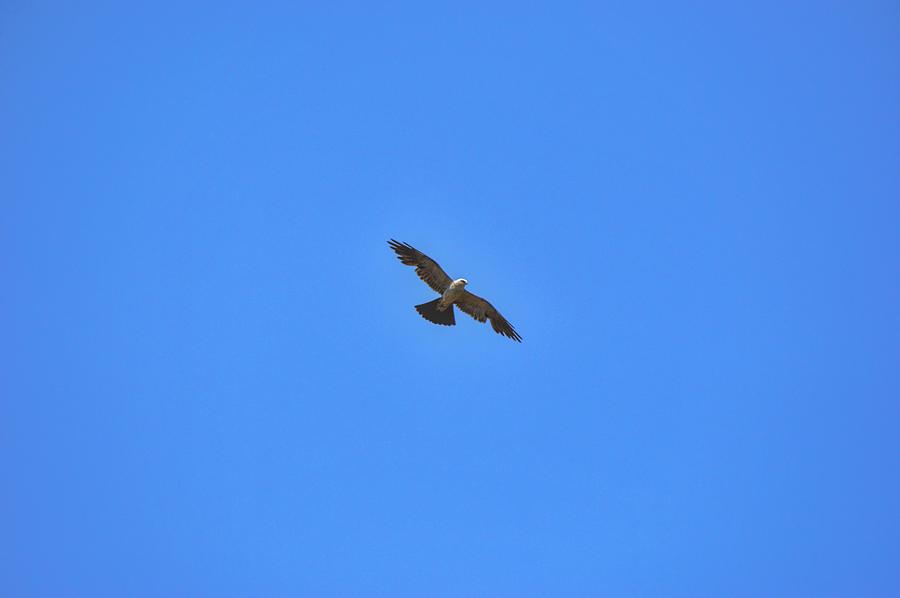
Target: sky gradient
(214, 382)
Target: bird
(453, 292)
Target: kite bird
(453, 292)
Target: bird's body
(452, 292)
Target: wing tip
(401, 248)
(506, 329)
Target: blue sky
(214, 382)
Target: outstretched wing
(427, 269)
(482, 310)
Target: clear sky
(213, 379)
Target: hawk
(453, 292)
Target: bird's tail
(430, 312)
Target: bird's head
(463, 281)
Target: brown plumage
(482, 310)
(453, 292)
(426, 268)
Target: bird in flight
(453, 292)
